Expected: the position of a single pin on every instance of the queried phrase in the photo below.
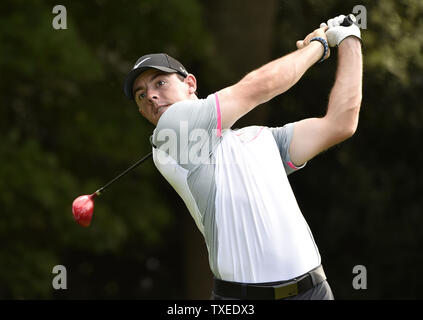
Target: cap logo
(136, 66)
(183, 70)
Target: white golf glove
(336, 33)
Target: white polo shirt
(235, 185)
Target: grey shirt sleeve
(283, 137)
(189, 131)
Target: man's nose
(152, 95)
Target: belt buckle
(286, 290)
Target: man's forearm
(346, 94)
(272, 79)
(279, 75)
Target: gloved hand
(336, 33)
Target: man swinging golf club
(234, 182)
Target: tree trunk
(243, 32)
(243, 35)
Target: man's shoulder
(182, 110)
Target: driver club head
(82, 209)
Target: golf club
(348, 20)
(83, 206)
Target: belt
(272, 290)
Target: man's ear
(191, 81)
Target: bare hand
(320, 32)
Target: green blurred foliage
(362, 198)
(66, 129)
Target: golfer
(234, 182)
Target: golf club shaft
(348, 20)
(136, 164)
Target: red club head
(82, 209)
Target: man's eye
(160, 83)
(141, 95)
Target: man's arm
(270, 80)
(314, 135)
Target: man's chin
(158, 116)
(161, 111)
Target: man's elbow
(351, 129)
(257, 88)
(351, 120)
(347, 123)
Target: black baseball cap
(159, 61)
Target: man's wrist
(317, 48)
(351, 43)
(323, 46)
